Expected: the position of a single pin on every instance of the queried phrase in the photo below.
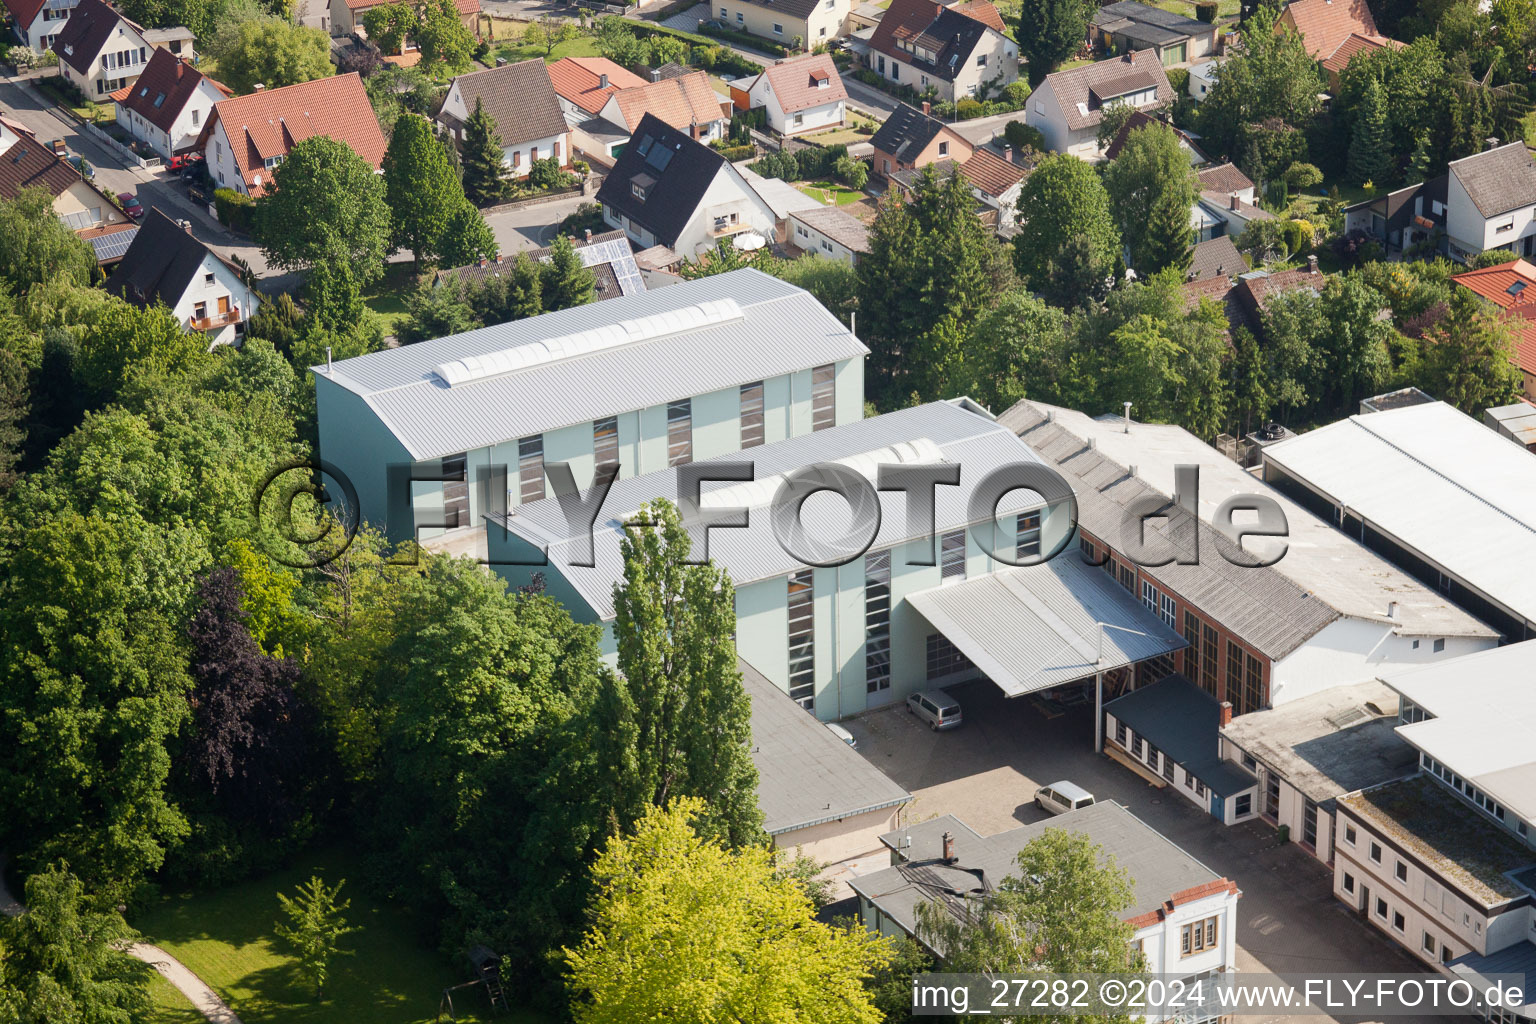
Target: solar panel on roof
(645, 145)
(113, 246)
(658, 158)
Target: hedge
(1205, 11)
(727, 61)
(744, 39)
(733, 154)
(233, 209)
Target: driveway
(534, 225)
(986, 773)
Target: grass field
(846, 135)
(826, 192)
(386, 296)
(508, 33)
(168, 1005)
(389, 975)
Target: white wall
(1350, 650)
(727, 194)
(40, 34)
(1162, 942)
(826, 115)
(184, 130)
(94, 83)
(224, 283)
(808, 238)
(220, 158)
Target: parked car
(81, 165)
(184, 161)
(131, 205)
(937, 708)
(842, 734)
(1061, 797)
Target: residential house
(667, 189)
(926, 604)
(1491, 202)
(1441, 863)
(1326, 25)
(818, 796)
(1139, 119)
(1411, 216)
(813, 22)
(1244, 297)
(995, 180)
(109, 242)
(1068, 106)
(1506, 286)
(644, 380)
(178, 39)
(27, 163)
(346, 16)
(957, 51)
(1354, 43)
(1175, 39)
(1215, 259)
(688, 104)
(1202, 79)
(204, 291)
(37, 23)
(1182, 914)
(607, 255)
(521, 100)
(1395, 479)
(169, 104)
(912, 138)
(247, 136)
(1227, 203)
(100, 51)
(830, 232)
(804, 94)
(583, 85)
(1308, 753)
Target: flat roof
(1036, 627)
(1426, 819)
(806, 775)
(1440, 483)
(1160, 871)
(432, 419)
(951, 432)
(1184, 722)
(1484, 727)
(1331, 742)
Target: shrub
(733, 154)
(482, 50)
(1020, 136)
(1296, 235)
(819, 161)
(545, 173)
(588, 217)
(781, 164)
(1205, 11)
(1179, 79)
(709, 28)
(233, 209)
(705, 56)
(1016, 93)
(968, 108)
(852, 173)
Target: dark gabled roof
(906, 133)
(950, 33)
(1398, 207)
(1498, 180)
(86, 32)
(607, 255)
(679, 172)
(1216, 258)
(1184, 722)
(1149, 24)
(164, 88)
(800, 9)
(29, 164)
(160, 264)
(519, 97)
(1139, 119)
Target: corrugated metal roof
(961, 436)
(806, 775)
(1439, 482)
(1033, 628)
(784, 330)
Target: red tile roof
(268, 123)
(163, 89)
(1355, 43)
(680, 102)
(24, 11)
(579, 80)
(1325, 24)
(794, 82)
(983, 12)
(991, 173)
(1512, 287)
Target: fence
(149, 163)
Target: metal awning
(1039, 627)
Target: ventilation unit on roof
(521, 357)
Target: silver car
(1061, 797)
(937, 708)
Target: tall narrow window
(1253, 684)
(679, 432)
(1192, 652)
(1235, 677)
(823, 398)
(455, 492)
(752, 429)
(1209, 666)
(530, 468)
(877, 621)
(1128, 577)
(1168, 611)
(1027, 536)
(1309, 823)
(605, 442)
(802, 640)
(952, 556)
(1149, 595)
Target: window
(1428, 942)
(455, 491)
(952, 555)
(1439, 646)
(752, 429)
(1128, 578)
(944, 658)
(1398, 921)
(943, 149)
(739, 18)
(1137, 745)
(530, 468)
(799, 120)
(1199, 788)
(1401, 872)
(1153, 756)
(778, 30)
(208, 278)
(635, 188)
(722, 13)
(802, 640)
(1381, 908)
(1349, 882)
(1149, 596)
(271, 162)
(1169, 614)
(1349, 834)
(605, 442)
(1244, 805)
(877, 621)
(1120, 732)
(981, 60)
(823, 397)
(1309, 824)
(1508, 225)
(1376, 852)
(1197, 936)
(1192, 652)
(679, 432)
(1027, 536)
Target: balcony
(213, 323)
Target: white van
(937, 708)
(1061, 797)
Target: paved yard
(986, 773)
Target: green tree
(124, 342)
(678, 721)
(315, 926)
(274, 53)
(566, 281)
(436, 311)
(443, 37)
(1370, 158)
(1114, 118)
(481, 158)
(326, 206)
(1049, 32)
(62, 959)
(1076, 275)
(1272, 77)
(1356, 361)
(1293, 331)
(1020, 350)
(834, 283)
(35, 246)
(1249, 387)
(1151, 190)
(1061, 912)
(1061, 199)
(388, 24)
(745, 939)
(1469, 357)
(467, 238)
(421, 189)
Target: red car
(131, 205)
(183, 160)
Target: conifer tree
(567, 282)
(424, 194)
(481, 157)
(1370, 158)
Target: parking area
(986, 773)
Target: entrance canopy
(1038, 627)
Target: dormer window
(640, 186)
(637, 190)
(271, 162)
(1508, 225)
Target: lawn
(389, 976)
(169, 1006)
(846, 135)
(386, 296)
(825, 192)
(102, 111)
(509, 32)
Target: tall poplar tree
(423, 192)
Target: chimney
(589, 234)
(258, 87)
(1492, 142)
(1234, 200)
(602, 81)
(927, 107)
(1226, 713)
(1311, 264)
(655, 74)
(499, 258)
(327, 359)
(1130, 56)
(949, 847)
(1008, 153)
(1391, 609)
(484, 264)
(186, 226)
(1127, 405)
